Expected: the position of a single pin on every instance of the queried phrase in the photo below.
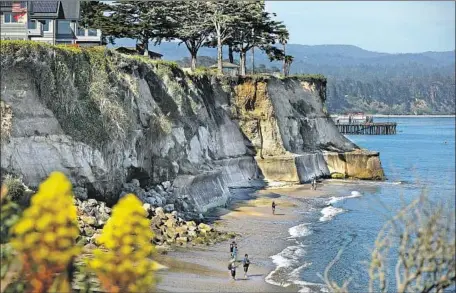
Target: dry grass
(421, 237)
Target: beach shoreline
(259, 234)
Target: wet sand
(260, 234)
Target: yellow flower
(64, 243)
(61, 218)
(43, 222)
(45, 235)
(23, 226)
(126, 250)
(96, 264)
(42, 252)
(127, 236)
(49, 237)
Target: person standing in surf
(273, 207)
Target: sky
(381, 26)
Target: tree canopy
(242, 25)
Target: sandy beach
(260, 234)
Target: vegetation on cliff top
(242, 25)
(360, 80)
(82, 86)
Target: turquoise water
(421, 156)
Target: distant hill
(361, 80)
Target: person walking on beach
(273, 207)
(314, 183)
(232, 247)
(232, 268)
(246, 263)
(234, 252)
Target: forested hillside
(358, 80)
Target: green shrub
(203, 71)
(161, 123)
(15, 187)
(310, 77)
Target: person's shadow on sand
(279, 214)
(249, 277)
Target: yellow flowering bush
(124, 264)
(44, 237)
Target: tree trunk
(284, 63)
(193, 64)
(146, 47)
(230, 54)
(219, 55)
(253, 60)
(288, 65)
(243, 62)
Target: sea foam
(354, 194)
(300, 230)
(330, 212)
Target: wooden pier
(385, 128)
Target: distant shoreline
(414, 116)
(405, 116)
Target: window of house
(31, 24)
(63, 27)
(81, 31)
(92, 32)
(46, 25)
(9, 17)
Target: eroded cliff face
(105, 119)
(292, 135)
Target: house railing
(88, 35)
(13, 31)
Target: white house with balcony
(54, 22)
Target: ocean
(419, 158)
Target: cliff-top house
(54, 22)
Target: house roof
(226, 65)
(55, 9)
(133, 50)
(44, 9)
(71, 9)
(45, 6)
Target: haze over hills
(360, 80)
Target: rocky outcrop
(106, 119)
(289, 130)
(360, 164)
(169, 229)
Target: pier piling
(385, 128)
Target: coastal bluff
(106, 119)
